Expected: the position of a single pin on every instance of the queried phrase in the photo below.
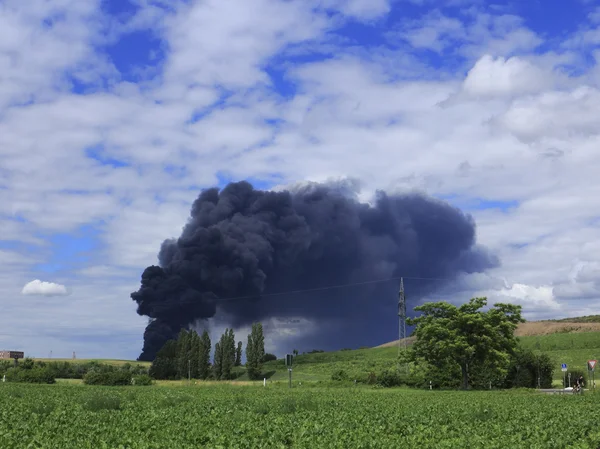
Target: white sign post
(563, 368)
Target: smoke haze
(240, 241)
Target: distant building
(11, 355)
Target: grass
(573, 349)
(114, 362)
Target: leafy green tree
(255, 351)
(227, 348)
(238, 354)
(527, 368)
(184, 343)
(204, 358)
(164, 365)
(218, 360)
(466, 335)
(195, 353)
(269, 357)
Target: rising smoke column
(240, 241)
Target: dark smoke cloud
(240, 241)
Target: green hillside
(573, 349)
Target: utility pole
(189, 372)
(402, 318)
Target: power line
(331, 287)
(306, 290)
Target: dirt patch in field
(532, 328)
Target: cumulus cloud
(526, 134)
(492, 77)
(41, 288)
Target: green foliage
(238, 354)
(218, 361)
(204, 360)
(32, 375)
(108, 378)
(255, 351)
(339, 375)
(466, 336)
(142, 380)
(96, 402)
(527, 367)
(269, 357)
(97, 417)
(228, 348)
(164, 365)
(184, 353)
(575, 373)
(26, 363)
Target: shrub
(339, 375)
(575, 373)
(269, 357)
(142, 380)
(31, 376)
(389, 378)
(113, 378)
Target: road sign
(592, 364)
(288, 360)
(564, 366)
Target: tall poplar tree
(195, 354)
(227, 345)
(183, 353)
(204, 357)
(218, 361)
(255, 351)
(238, 354)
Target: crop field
(62, 416)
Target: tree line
(189, 356)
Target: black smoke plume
(241, 242)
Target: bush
(339, 375)
(31, 376)
(269, 357)
(112, 379)
(575, 373)
(389, 378)
(142, 380)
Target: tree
(164, 365)
(227, 346)
(269, 357)
(204, 357)
(195, 345)
(255, 351)
(218, 361)
(238, 354)
(184, 342)
(466, 335)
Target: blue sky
(114, 114)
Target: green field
(62, 416)
(114, 362)
(575, 349)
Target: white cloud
(40, 288)
(517, 129)
(492, 77)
